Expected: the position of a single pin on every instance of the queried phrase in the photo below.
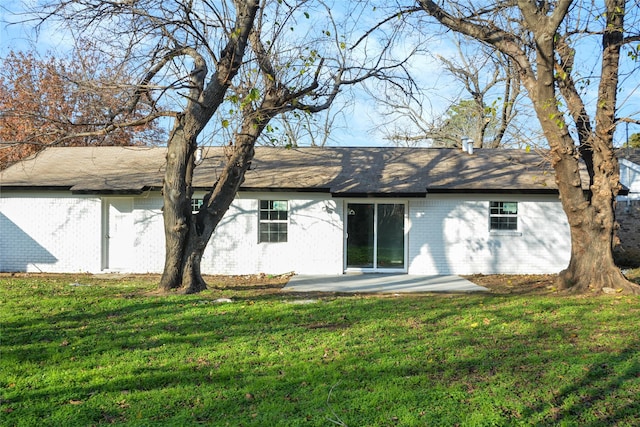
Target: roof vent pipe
(467, 144)
(198, 158)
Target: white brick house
(308, 211)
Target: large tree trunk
(217, 202)
(183, 244)
(192, 280)
(591, 268)
(591, 213)
(191, 241)
(177, 192)
(593, 229)
(591, 220)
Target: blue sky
(14, 34)
(359, 124)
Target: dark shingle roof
(338, 170)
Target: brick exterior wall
(314, 244)
(58, 232)
(52, 232)
(451, 236)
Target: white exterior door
(119, 233)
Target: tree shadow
(325, 343)
(601, 380)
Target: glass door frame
(376, 202)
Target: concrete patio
(381, 283)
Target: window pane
(494, 208)
(273, 220)
(504, 223)
(509, 208)
(503, 215)
(195, 205)
(280, 205)
(390, 239)
(281, 232)
(360, 236)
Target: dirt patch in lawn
(518, 284)
(502, 284)
(266, 286)
(530, 284)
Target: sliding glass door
(375, 236)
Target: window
(503, 216)
(274, 220)
(195, 205)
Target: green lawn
(109, 352)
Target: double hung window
(274, 221)
(503, 216)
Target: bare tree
(300, 128)
(538, 36)
(242, 62)
(483, 107)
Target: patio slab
(381, 283)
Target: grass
(78, 351)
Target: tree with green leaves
(467, 119)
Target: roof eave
(492, 191)
(279, 189)
(364, 195)
(109, 192)
(23, 187)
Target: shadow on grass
(602, 379)
(261, 360)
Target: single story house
(303, 210)
(630, 173)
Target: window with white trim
(274, 221)
(503, 216)
(195, 205)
